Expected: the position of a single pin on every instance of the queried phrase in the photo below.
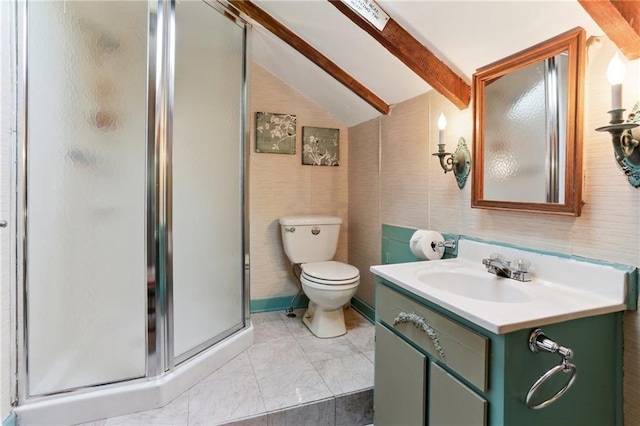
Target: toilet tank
(310, 238)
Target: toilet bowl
(329, 286)
(311, 242)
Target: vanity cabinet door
(400, 376)
(452, 403)
(464, 351)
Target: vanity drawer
(464, 351)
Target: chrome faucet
(517, 269)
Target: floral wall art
(275, 133)
(320, 146)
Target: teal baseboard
(367, 311)
(278, 303)
(283, 303)
(11, 420)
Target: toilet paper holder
(450, 243)
(430, 245)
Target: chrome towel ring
(565, 367)
(539, 341)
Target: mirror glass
(527, 147)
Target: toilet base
(324, 324)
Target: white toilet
(311, 241)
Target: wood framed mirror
(527, 147)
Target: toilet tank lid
(310, 220)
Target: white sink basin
(561, 289)
(478, 285)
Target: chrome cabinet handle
(421, 324)
(3, 224)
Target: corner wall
(414, 192)
(364, 205)
(280, 185)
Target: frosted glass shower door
(207, 235)
(85, 193)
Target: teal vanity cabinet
(401, 370)
(453, 372)
(410, 387)
(400, 399)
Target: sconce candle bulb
(442, 124)
(625, 145)
(459, 162)
(442, 121)
(615, 75)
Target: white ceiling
(466, 35)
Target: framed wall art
(275, 133)
(320, 146)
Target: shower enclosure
(131, 192)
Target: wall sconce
(459, 162)
(624, 144)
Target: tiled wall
(414, 192)
(280, 185)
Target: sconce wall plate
(625, 146)
(462, 161)
(459, 162)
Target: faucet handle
(521, 265)
(497, 256)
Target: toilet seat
(328, 287)
(330, 273)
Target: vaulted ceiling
(357, 72)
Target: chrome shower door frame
(158, 257)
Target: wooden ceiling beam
(415, 56)
(620, 20)
(289, 37)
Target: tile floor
(286, 367)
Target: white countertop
(561, 289)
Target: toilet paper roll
(420, 244)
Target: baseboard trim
(282, 303)
(367, 311)
(278, 303)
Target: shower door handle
(3, 223)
